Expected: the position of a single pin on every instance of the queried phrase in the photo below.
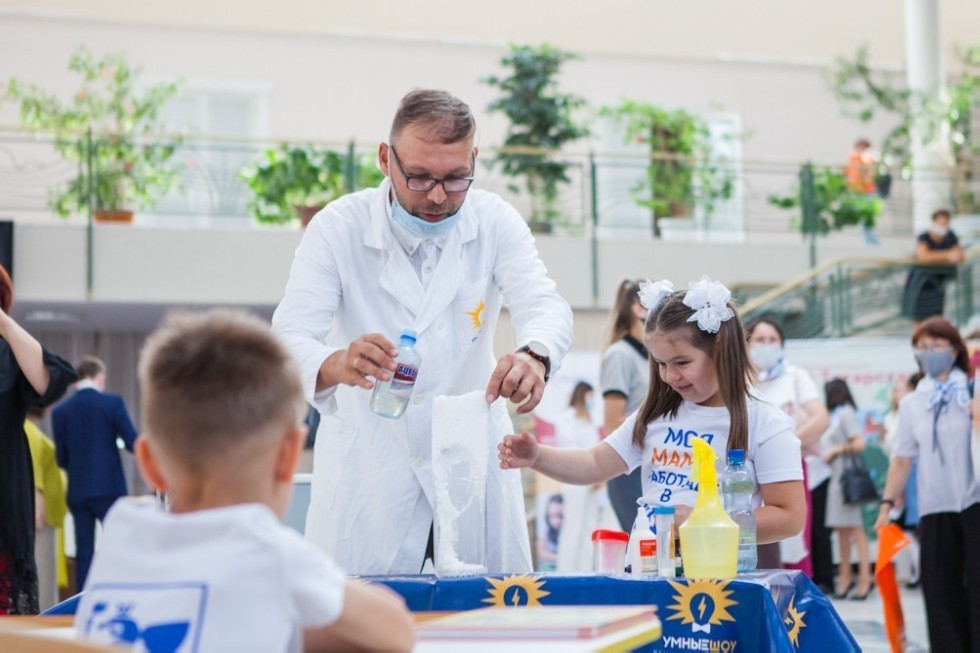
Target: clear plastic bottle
(736, 491)
(391, 397)
(666, 532)
(641, 553)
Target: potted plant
(106, 128)
(541, 122)
(293, 181)
(682, 172)
(865, 93)
(833, 205)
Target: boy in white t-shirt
(223, 411)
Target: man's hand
(517, 451)
(371, 355)
(517, 377)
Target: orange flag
(891, 540)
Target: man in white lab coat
(422, 251)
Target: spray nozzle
(703, 468)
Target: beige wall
(334, 88)
(702, 29)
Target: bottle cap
(664, 510)
(604, 534)
(736, 456)
(409, 334)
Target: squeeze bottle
(641, 553)
(709, 537)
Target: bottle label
(406, 373)
(648, 548)
(404, 380)
(648, 556)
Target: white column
(931, 156)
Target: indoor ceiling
(102, 317)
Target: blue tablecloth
(758, 611)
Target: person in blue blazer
(87, 427)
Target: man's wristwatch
(538, 352)
(889, 502)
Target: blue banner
(758, 611)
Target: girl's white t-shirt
(773, 454)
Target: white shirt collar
(86, 384)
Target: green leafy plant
(289, 179)
(865, 93)
(108, 128)
(682, 171)
(541, 122)
(834, 206)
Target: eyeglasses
(421, 184)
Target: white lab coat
(372, 488)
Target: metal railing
(603, 193)
(855, 296)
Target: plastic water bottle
(736, 490)
(391, 397)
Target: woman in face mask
(925, 287)
(935, 426)
(574, 428)
(793, 390)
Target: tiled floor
(866, 620)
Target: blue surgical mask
(765, 357)
(936, 363)
(419, 227)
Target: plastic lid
(736, 456)
(605, 534)
(664, 510)
(409, 334)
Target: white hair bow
(652, 293)
(709, 299)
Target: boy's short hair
(212, 382)
(89, 367)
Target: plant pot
(540, 227)
(306, 213)
(112, 215)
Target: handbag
(856, 481)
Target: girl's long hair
(726, 349)
(622, 312)
(838, 394)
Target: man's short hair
(940, 212)
(89, 367)
(447, 118)
(214, 383)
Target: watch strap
(544, 360)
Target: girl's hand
(517, 451)
(883, 519)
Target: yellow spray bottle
(709, 537)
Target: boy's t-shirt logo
(158, 617)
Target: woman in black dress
(30, 376)
(925, 287)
